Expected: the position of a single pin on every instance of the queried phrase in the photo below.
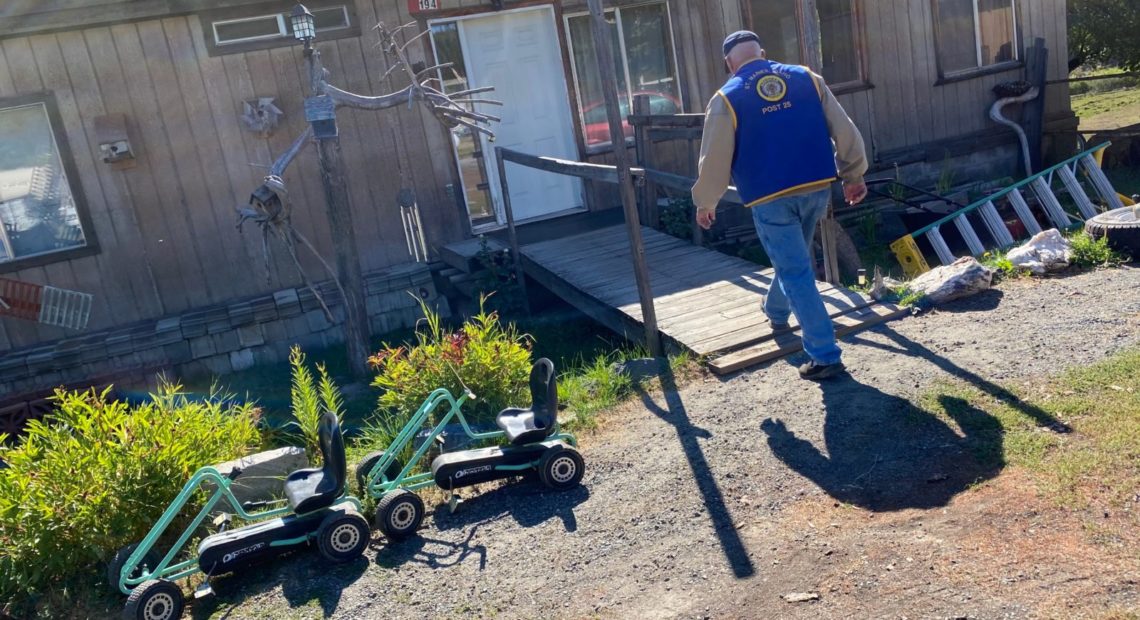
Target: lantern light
(304, 27)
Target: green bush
(1090, 252)
(310, 399)
(95, 475)
(491, 359)
(677, 218)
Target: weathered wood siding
(904, 106)
(166, 227)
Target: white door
(518, 53)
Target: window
(973, 35)
(245, 29)
(39, 212)
(468, 147)
(644, 62)
(780, 27)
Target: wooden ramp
(706, 301)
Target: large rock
(1046, 251)
(963, 278)
(262, 475)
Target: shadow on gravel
(304, 578)
(529, 504)
(884, 453)
(984, 301)
(674, 413)
(526, 501)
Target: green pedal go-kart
(317, 509)
(534, 445)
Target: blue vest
(782, 140)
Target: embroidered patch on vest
(772, 88)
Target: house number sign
(419, 6)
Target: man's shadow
(885, 453)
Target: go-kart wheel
(561, 468)
(343, 536)
(399, 514)
(370, 460)
(115, 566)
(156, 599)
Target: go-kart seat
(527, 426)
(312, 489)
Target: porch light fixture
(304, 28)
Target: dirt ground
(719, 499)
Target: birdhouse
(320, 111)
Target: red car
(598, 126)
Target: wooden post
(813, 58)
(520, 274)
(641, 107)
(343, 236)
(603, 45)
(1036, 72)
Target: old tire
(115, 566)
(399, 514)
(561, 468)
(343, 536)
(1120, 227)
(364, 467)
(156, 599)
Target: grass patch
(1089, 252)
(1097, 463)
(1003, 268)
(1091, 105)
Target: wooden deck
(706, 301)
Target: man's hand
(855, 193)
(705, 219)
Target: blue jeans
(786, 227)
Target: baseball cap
(737, 38)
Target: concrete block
(240, 314)
(119, 344)
(202, 346)
(242, 360)
(262, 475)
(250, 335)
(264, 309)
(217, 320)
(40, 360)
(274, 331)
(317, 320)
(13, 367)
(193, 325)
(168, 330)
(218, 364)
(178, 352)
(227, 341)
(287, 302)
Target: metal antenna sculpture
(269, 205)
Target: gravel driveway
(720, 498)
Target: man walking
(778, 132)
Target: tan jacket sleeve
(718, 144)
(850, 152)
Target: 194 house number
(417, 6)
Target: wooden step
(464, 255)
(790, 342)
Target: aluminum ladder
(998, 235)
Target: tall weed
(311, 397)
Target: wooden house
(123, 149)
